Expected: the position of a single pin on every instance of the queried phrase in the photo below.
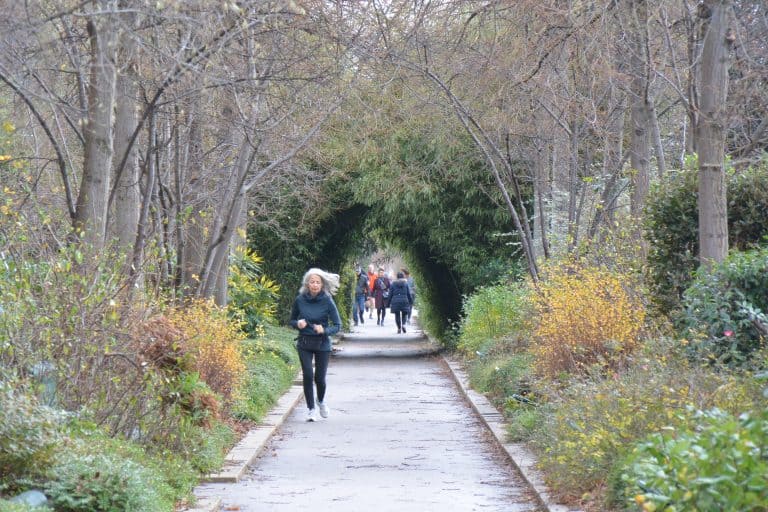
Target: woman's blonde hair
(330, 281)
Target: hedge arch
(435, 205)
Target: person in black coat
(381, 296)
(400, 301)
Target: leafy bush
(28, 435)
(205, 448)
(591, 424)
(252, 295)
(502, 373)
(8, 506)
(213, 339)
(271, 367)
(491, 313)
(725, 308)
(105, 482)
(586, 316)
(720, 464)
(505, 375)
(672, 227)
(587, 427)
(173, 477)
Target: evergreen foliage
(428, 198)
(672, 227)
(725, 310)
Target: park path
(400, 437)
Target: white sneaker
(324, 410)
(311, 415)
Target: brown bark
(92, 201)
(710, 130)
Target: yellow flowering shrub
(586, 316)
(214, 341)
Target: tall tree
(93, 199)
(718, 39)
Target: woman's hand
(319, 329)
(301, 324)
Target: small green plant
(205, 447)
(252, 295)
(720, 464)
(492, 313)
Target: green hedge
(671, 227)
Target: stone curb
(249, 448)
(518, 453)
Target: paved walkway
(400, 438)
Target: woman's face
(315, 284)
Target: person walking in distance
(361, 294)
(371, 283)
(381, 296)
(400, 301)
(315, 315)
(412, 288)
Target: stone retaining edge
(250, 447)
(522, 458)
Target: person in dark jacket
(316, 317)
(412, 286)
(401, 299)
(381, 296)
(361, 293)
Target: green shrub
(177, 476)
(8, 506)
(28, 435)
(523, 421)
(725, 308)
(671, 225)
(501, 374)
(105, 482)
(593, 423)
(205, 447)
(720, 464)
(491, 313)
(271, 367)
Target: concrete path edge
(520, 456)
(249, 447)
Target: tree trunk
(640, 147)
(127, 195)
(191, 226)
(710, 133)
(92, 201)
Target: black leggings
(321, 368)
(381, 313)
(400, 318)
